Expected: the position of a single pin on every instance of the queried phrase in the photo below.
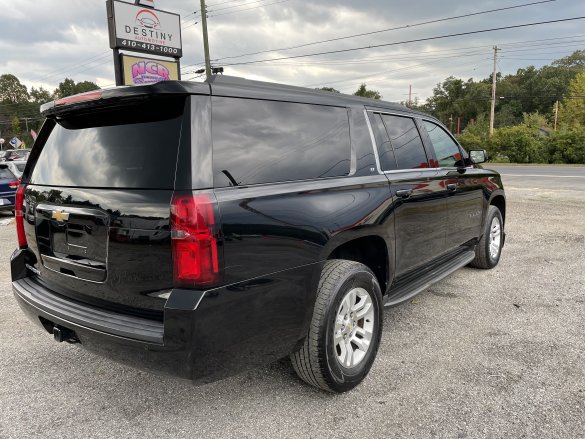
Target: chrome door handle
(404, 193)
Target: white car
(17, 167)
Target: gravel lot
(497, 353)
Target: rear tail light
(14, 184)
(18, 210)
(195, 256)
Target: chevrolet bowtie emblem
(60, 216)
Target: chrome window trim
(374, 144)
(393, 171)
(398, 171)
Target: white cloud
(44, 41)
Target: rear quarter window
(257, 141)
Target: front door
(463, 187)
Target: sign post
(141, 28)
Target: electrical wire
(407, 26)
(417, 40)
(237, 6)
(257, 7)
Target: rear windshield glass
(133, 147)
(20, 167)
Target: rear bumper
(205, 335)
(130, 340)
(7, 205)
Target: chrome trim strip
(397, 171)
(374, 145)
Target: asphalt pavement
(542, 177)
(483, 354)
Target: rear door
(419, 204)
(97, 204)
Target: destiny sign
(146, 30)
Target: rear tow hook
(63, 334)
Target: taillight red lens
(13, 184)
(195, 258)
(18, 210)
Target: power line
(237, 6)
(417, 40)
(261, 6)
(527, 43)
(386, 30)
(223, 3)
(431, 61)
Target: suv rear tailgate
(97, 204)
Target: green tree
(15, 125)
(39, 96)
(572, 109)
(69, 88)
(457, 98)
(576, 60)
(85, 86)
(520, 144)
(365, 93)
(476, 135)
(331, 89)
(11, 90)
(65, 88)
(567, 146)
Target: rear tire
(345, 330)
(489, 248)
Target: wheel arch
(499, 201)
(371, 250)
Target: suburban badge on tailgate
(60, 216)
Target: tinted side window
(446, 150)
(263, 141)
(406, 142)
(385, 151)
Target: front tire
(345, 330)
(489, 248)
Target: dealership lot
(497, 353)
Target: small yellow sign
(138, 70)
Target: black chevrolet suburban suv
(201, 229)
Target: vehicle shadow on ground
(97, 378)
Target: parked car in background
(8, 185)
(280, 221)
(14, 154)
(16, 167)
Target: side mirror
(478, 156)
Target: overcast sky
(44, 41)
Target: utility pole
(556, 110)
(493, 107)
(205, 41)
(410, 96)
